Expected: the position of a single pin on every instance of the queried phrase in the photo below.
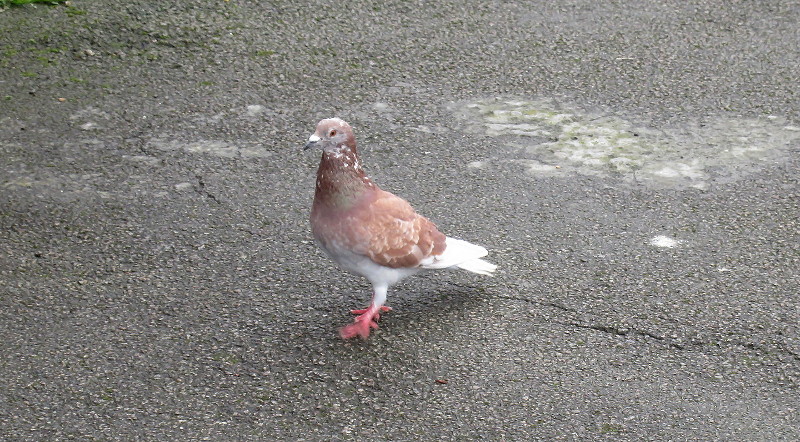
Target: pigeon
(373, 233)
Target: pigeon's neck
(341, 182)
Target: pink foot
(364, 322)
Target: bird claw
(366, 321)
(360, 328)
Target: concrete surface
(158, 279)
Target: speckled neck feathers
(341, 181)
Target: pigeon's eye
(332, 133)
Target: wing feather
(383, 227)
(392, 234)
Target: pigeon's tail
(461, 254)
(479, 266)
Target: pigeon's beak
(312, 141)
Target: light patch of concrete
(429, 129)
(211, 147)
(89, 112)
(145, 159)
(19, 182)
(558, 139)
(255, 110)
(534, 167)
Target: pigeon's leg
(367, 318)
(384, 308)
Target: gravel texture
(158, 278)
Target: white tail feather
(461, 254)
(479, 266)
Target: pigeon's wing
(392, 234)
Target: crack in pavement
(779, 348)
(201, 189)
(624, 332)
(788, 351)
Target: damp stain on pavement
(549, 138)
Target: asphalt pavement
(632, 166)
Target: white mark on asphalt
(664, 242)
(255, 110)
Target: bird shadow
(419, 308)
(420, 304)
(441, 301)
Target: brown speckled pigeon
(371, 232)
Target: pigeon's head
(332, 135)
